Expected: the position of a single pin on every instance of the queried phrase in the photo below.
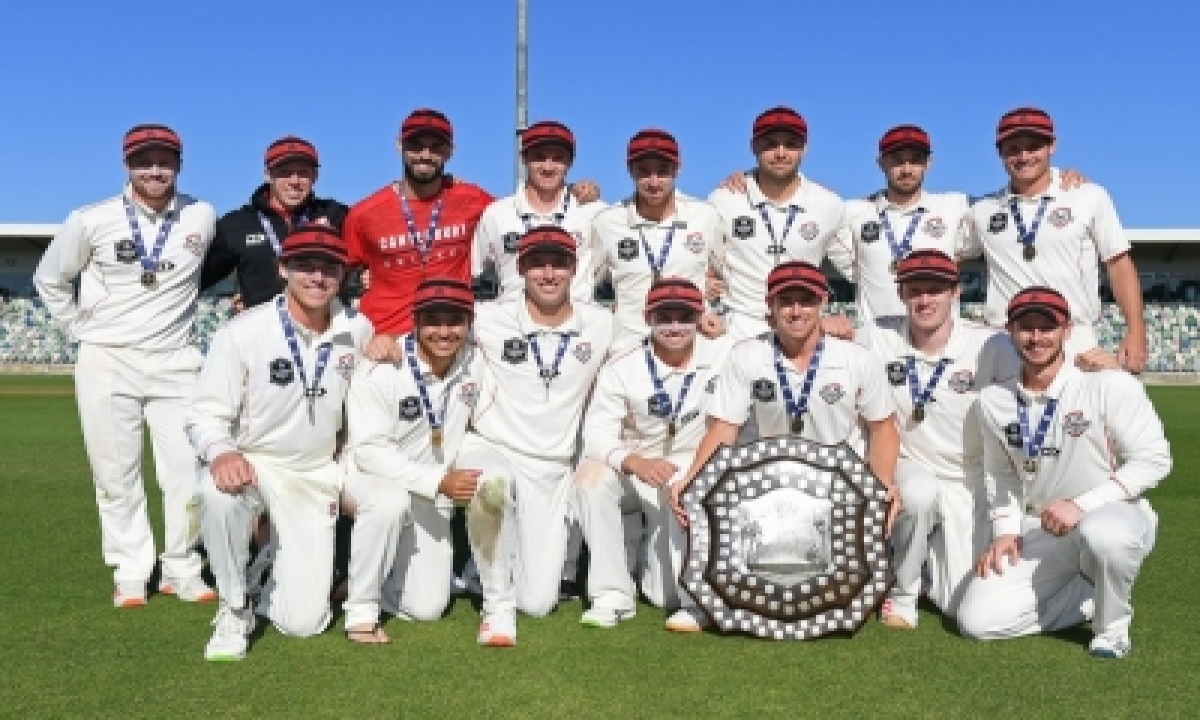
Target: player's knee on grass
(981, 614)
(538, 602)
(430, 606)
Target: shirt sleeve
(605, 416)
(220, 259)
(66, 257)
(217, 402)
(1106, 229)
(875, 401)
(731, 400)
(351, 231)
(1000, 479)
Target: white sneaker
(1111, 646)
(192, 589)
(687, 620)
(497, 631)
(231, 634)
(129, 595)
(602, 617)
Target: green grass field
(68, 653)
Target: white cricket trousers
(943, 523)
(1044, 592)
(400, 536)
(303, 507)
(118, 391)
(605, 496)
(520, 552)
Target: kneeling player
(643, 426)
(1067, 456)
(265, 421)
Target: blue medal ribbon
(426, 244)
(549, 373)
(148, 261)
(778, 243)
(311, 392)
(436, 422)
(796, 409)
(921, 397)
(900, 249)
(269, 229)
(671, 411)
(1027, 236)
(1032, 445)
(559, 217)
(657, 264)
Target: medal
(893, 266)
(549, 373)
(902, 247)
(670, 411)
(1032, 444)
(149, 261)
(1029, 253)
(796, 409)
(918, 413)
(149, 280)
(1027, 236)
(797, 425)
(671, 429)
(657, 263)
(436, 434)
(314, 391)
(922, 396)
(778, 245)
(435, 437)
(1030, 465)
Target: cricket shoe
(231, 634)
(497, 631)
(191, 589)
(893, 615)
(1111, 646)
(128, 595)
(687, 620)
(602, 617)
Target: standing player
(658, 232)
(778, 216)
(1067, 457)
(406, 422)
(137, 257)
(265, 421)
(1033, 232)
(643, 425)
(545, 350)
(936, 365)
(248, 239)
(547, 151)
(799, 380)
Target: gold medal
(435, 436)
(918, 413)
(1030, 252)
(797, 425)
(671, 430)
(149, 279)
(1031, 465)
(894, 265)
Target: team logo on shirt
(896, 373)
(516, 350)
(810, 230)
(1060, 217)
(281, 371)
(194, 243)
(410, 408)
(255, 239)
(345, 365)
(658, 405)
(125, 251)
(695, 242)
(832, 392)
(583, 351)
(627, 249)
(764, 390)
(1075, 423)
(743, 227)
(469, 394)
(1012, 433)
(510, 241)
(997, 223)
(961, 381)
(869, 231)
(934, 227)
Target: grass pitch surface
(67, 652)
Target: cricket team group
(1015, 452)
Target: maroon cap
(779, 118)
(548, 132)
(1045, 300)
(927, 264)
(797, 274)
(315, 240)
(905, 136)
(1027, 120)
(289, 148)
(443, 292)
(652, 142)
(141, 137)
(674, 292)
(549, 238)
(426, 121)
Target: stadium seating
(28, 337)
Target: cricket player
(1067, 457)
(936, 364)
(406, 421)
(658, 232)
(545, 350)
(265, 420)
(643, 426)
(1034, 232)
(137, 257)
(774, 215)
(800, 380)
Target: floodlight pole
(522, 91)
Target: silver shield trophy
(786, 539)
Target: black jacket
(241, 244)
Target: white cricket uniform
(940, 224)
(943, 521)
(849, 386)
(507, 219)
(250, 400)
(1105, 448)
(528, 438)
(621, 421)
(136, 366)
(751, 251)
(401, 522)
(696, 233)
(1080, 229)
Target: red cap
(549, 238)
(652, 142)
(443, 292)
(797, 274)
(779, 118)
(548, 132)
(289, 148)
(927, 264)
(140, 137)
(315, 240)
(674, 292)
(905, 136)
(423, 121)
(1039, 299)
(1026, 120)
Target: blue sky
(1121, 79)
